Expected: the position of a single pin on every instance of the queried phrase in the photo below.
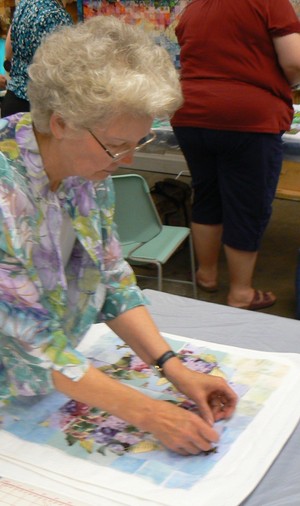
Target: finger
(221, 406)
(181, 451)
(228, 402)
(207, 413)
(230, 396)
(206, 436)
(199, 438)
(217, 411)
(228, 410)
(190, 448)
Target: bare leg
(241, 266)
(207, 243)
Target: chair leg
(159, 276)
(193, 266)
(160, 271)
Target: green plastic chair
(144, 239)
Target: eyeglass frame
(120, 155)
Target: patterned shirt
(32, 20)
(45, 309)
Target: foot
(258, 300)
(206, 284)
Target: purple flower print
(108, 431)
(198, 364)
(18, 289)
(101, 438)
(129, 438)
(75, 408)
(137, 364)
(19, 204)
(113, 252)
(117, 448)
(84, 201)
(114, 423)
(47, 265)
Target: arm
(8, 46)
(2, 82)
(138, 330)
(288, 52)
(131, 321)
(180, 430)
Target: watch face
(158, 371)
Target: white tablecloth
(211, 323)
(245, 329)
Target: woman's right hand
(178, 429)
(182, 431)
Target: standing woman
(239, 60)
(33, 19)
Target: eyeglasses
(117, 156)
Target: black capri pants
(234, 178)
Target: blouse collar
(29, 149)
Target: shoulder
(39, 15)
(8, 146)
(54, 15)
(15, 131)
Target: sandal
(261, 300)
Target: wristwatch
(159, 363)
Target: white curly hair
(94, 71)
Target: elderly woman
(94, 91)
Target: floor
(275, 270)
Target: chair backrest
(136, 215)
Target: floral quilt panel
(116, 459)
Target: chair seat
(127, 248)
(161, 247)
(143, 237)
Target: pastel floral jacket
(45, 309)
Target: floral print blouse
(33, 19)
(46, 308)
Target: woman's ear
(57, 126)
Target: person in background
(2, 58)
(239, 61)
(2, 82)
(32, 20)
(8, 52)
(60, 258)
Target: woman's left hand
(215, 399)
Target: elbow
(292, 74)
